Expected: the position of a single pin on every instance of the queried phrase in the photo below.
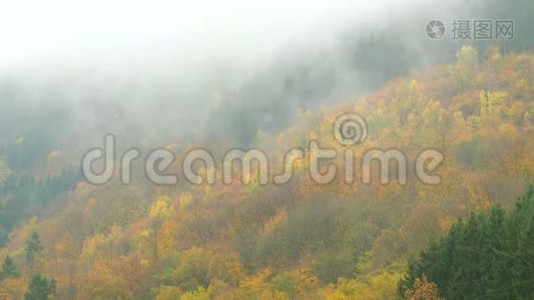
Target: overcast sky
(50, 31)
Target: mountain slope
(300, 239)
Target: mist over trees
(470, 236)
(219, 100)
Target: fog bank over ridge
(174, 72)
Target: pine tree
(491, 256)
(9, 269)
(40, 288)
(33, 246)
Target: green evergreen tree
(9, 270)
(40, 288)
(33, 246)
(491, 256)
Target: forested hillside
(490, 256)
(62, 236)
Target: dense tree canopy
(300, 239)
(489, 256)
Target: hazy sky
(48, 31)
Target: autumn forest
(468, 234)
